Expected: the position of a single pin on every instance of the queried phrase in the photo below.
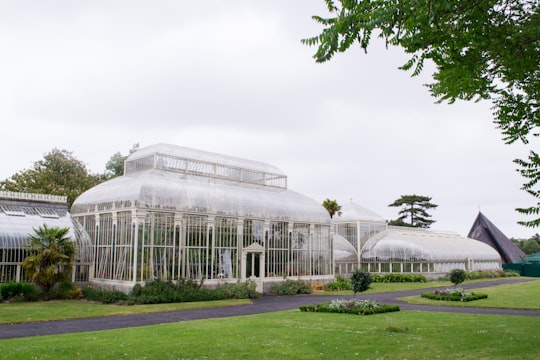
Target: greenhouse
(184, 213)
(363, 240)
(354, 226)
(20, 214)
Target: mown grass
(77, 309)
(524, 295)
(297, 335)
(376, 288)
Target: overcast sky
(96, 77)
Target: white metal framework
(402, 249)
(185, 213)
(363, 240)
(20, 214)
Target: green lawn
(297, 335)
(76, 309)
(513, 296)
(291, 334)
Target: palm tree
(331, 206)
(50, 258)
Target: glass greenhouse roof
(201, 163)
(343, 250)
(418, 244)
(352, 212)
(173, 187)
(20, 213)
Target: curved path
(262, 305)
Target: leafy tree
(59, 173)
(457, 276)
(50, 258)
(529, 246)
(115, 165)
(488, 49)
(331, 206)
(530, 169)
(414, 209)
(360, 281)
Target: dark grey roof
(485, 231)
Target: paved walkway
(262, 305)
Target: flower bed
(358, 307)
(453, 294)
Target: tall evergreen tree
(414, 211)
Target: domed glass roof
(416, 244)
(352, 212)
(213, 183)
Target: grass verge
(511, 296)
(299, 335)
(77, 309)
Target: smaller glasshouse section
(20, 214)
(185, 213)
(363, 240)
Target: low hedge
(484, 274)
(161, 292)
(349, 307)
(454, 297)
(399, 278)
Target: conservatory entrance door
(253, 264)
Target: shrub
(341, 283)
(104, 296)
(332, 286)
(457, 276)
(66, 291)
(19, 291)
(241, 290)
(291, 287)
(360, 281)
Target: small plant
(360, 281)
(394, 327)
(457, 276)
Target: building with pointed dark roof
(485, 231)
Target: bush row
(22, 292)
(399, 278)
(486, 274)
(19, 292)
(160, 292)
